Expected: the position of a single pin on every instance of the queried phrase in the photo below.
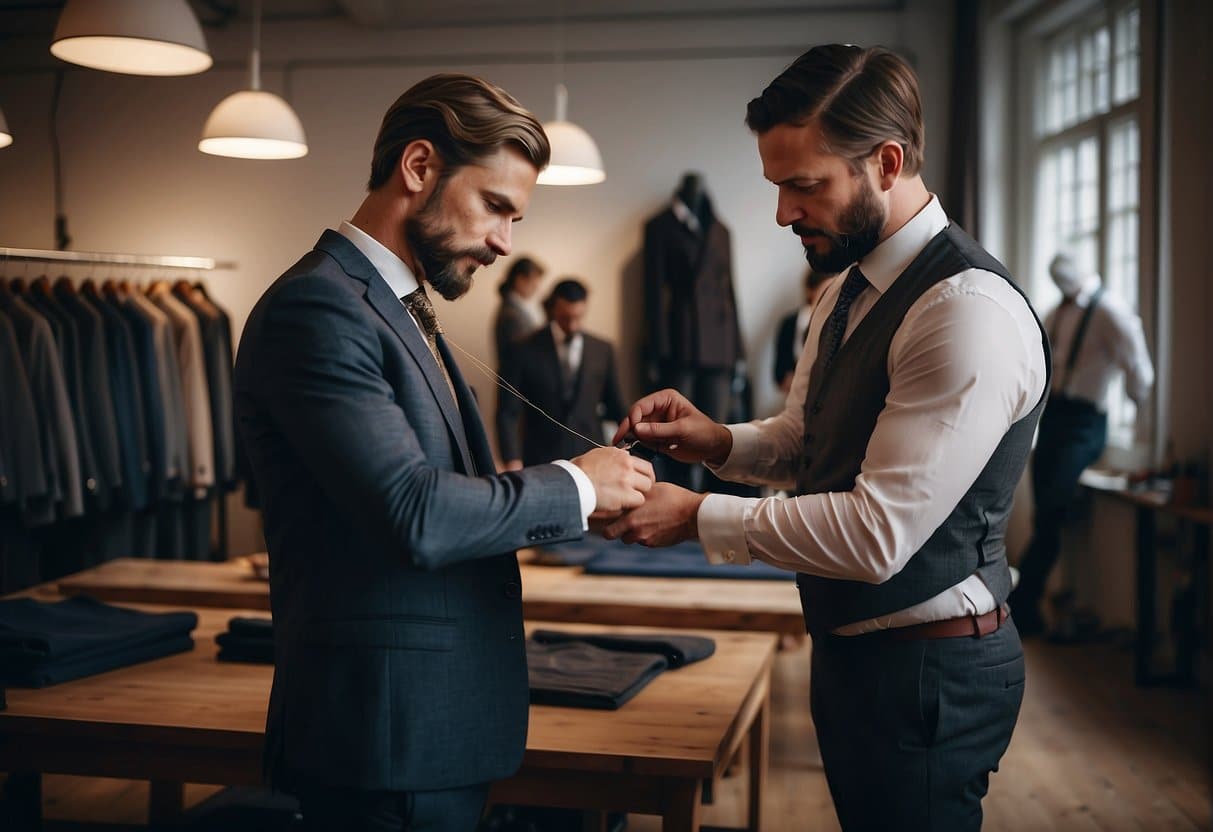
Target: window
(1086, 158)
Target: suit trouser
(910, 731)
(357, 810)
(1072, 436)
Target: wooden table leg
(1147, 588)
(21, 807)
(680, 811)
(760, 753)
(165, 802)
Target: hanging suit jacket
(95, 385)
(67, 339)
(395, 591)
(23, 478)
(690, 310)
(56, 429)
(535, 370)
(127, 397)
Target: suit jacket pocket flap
(391, 632)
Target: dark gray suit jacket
(512, 325)
(524, 434)
(393, 582)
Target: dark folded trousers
(45, 643)
(684, 561)
(580, 675)
(247, 640)
(678, 650)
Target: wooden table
(1147, 506)
(189, 718)
(549, 593)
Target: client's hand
(668, 516)
(620, 479)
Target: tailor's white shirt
(964, 365)
(1114, 342)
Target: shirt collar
(399, 277)
(558, 335)
(684, 215)
(1090, 285)
(889, 259)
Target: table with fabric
(190, 718)
(549, 593)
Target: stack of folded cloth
(247, 640)
(601, 670)
(44, 643)
(684, 560)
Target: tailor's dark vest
(841, 409)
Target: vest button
(816, 408)
(513, 590)
(808, 438)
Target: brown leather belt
(974, 626)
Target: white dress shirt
(401, 280)
(803, 316)
(1114, 342)
(568, 352)
(964, 365)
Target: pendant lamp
(575, 156)
(6, 138)
(253, 123)
(136, 37)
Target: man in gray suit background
(400, 688)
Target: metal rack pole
(163, 261)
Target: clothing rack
(162, 261)
(158, 261)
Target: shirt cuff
(585, 491)
(745, 444)
(721, 523)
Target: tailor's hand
(665, 421)
(620, 480)
(668, 516)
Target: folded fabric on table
(247, 640)
(580, 675)
(44, 643)
(678, 650)
(685, 560)
(572, 553)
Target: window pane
(1128, 51)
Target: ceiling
(30, 18)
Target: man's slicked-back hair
(465, 118)
(859, 97)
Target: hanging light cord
(62, 239)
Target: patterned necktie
(418, 304)
(836, 325)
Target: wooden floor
(1091, 753)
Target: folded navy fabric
(91, 664)
(237, 648)
(44, 643)
(678, 650)
(580, 675)
(686, 560)
(251, 627)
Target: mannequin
(693, 340)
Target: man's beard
(430, 241)
(860, 224)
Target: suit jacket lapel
(477, 449)
(389, 307)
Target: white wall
(136, 182)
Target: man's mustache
(804, 231)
